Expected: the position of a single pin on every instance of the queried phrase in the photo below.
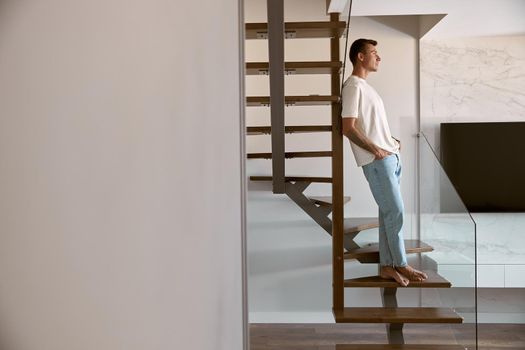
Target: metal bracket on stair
(318, 213)
(394, 330)
(349, 242)
(290, 34)
(324, 210)
(295, 192)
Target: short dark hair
(359, 46)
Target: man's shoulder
(353, 81)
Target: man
(366, 126)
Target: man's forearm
(361, 140)
(357, 137)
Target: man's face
(370, 58)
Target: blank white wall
(120, 205)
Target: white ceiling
(464, 17)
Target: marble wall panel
(471, 80)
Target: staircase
(343, 231)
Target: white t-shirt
(362, 101)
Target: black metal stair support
(277, 98)
(394, 331)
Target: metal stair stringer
(394, 331)
(318, 214)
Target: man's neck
(360, 72)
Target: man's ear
(360, 56)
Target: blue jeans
(384, 176)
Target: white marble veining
(500, 247)
(472, 79)
(501, 238)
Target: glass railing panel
(447, 226)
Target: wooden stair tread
(433, 281)
(312, 67)
(326, 201)
(299, 29)
(306, 154)
(397, 315)
(371, 251)
(259, 130)
(352, 225)
(295, 179)
(398, 347)
(307, 100)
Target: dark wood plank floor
(326, 336)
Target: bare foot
(388, 272)
(411, 273)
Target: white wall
(120, 205)
(289, 254)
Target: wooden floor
(326, 336)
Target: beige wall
(120, 205)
